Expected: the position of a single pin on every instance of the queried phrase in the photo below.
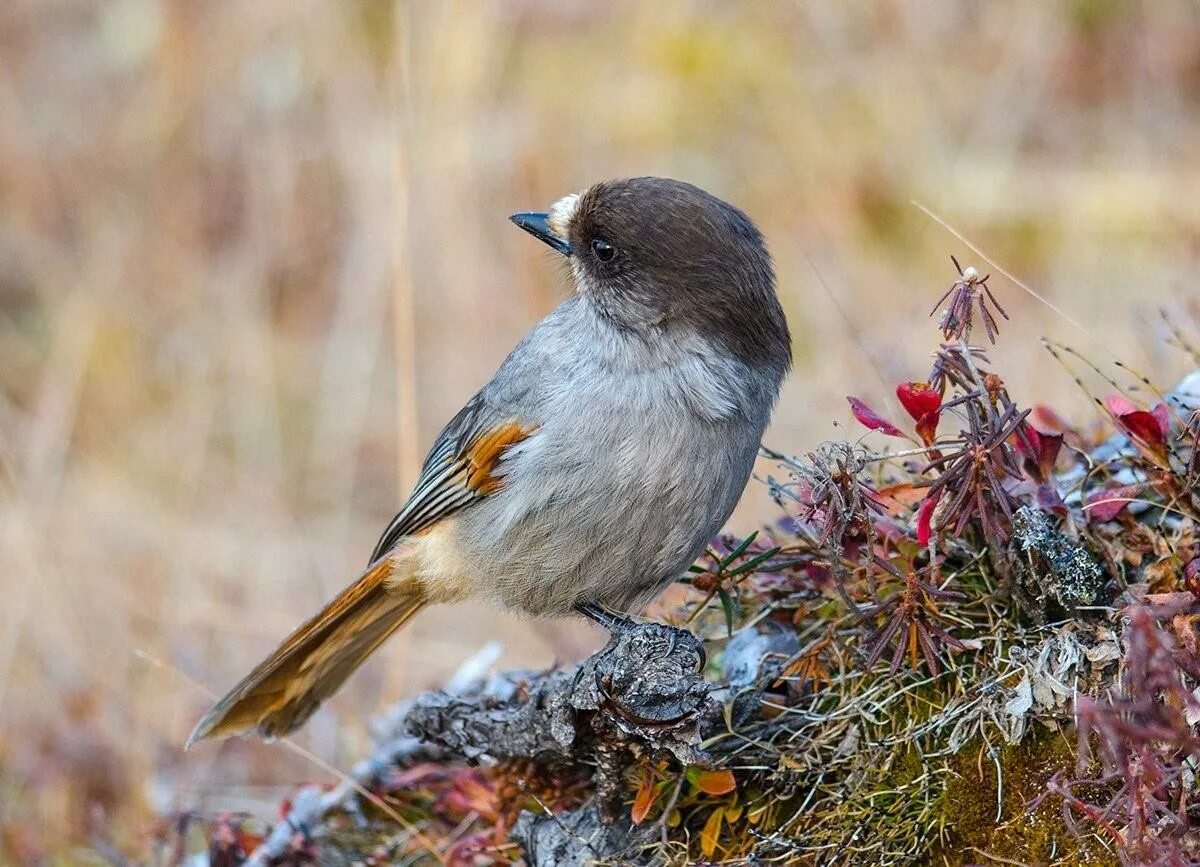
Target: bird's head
(656, 255)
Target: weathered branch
(642, 694)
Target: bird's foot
(610, 620)
(619, 625)
(651, 675)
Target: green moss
(1020, 834)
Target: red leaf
(1046, 447)
(1144, 426)
(1119, 405)
(868, 418)
(925, 519)
(416, 776)
(1161, 415)
(471, 793)
(1030, 443)
(919, 399)
(1148, 427)
(1049, 445)
(1107, 504)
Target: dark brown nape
(694, 260)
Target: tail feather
(284, 690)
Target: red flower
(868, 418)
(918, 398)
(924, 403)
(1148, 429)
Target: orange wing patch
(484, 452)
(456, 474)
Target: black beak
(538, 225)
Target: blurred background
(253, 255)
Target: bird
(609, 447)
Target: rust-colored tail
(284, 690)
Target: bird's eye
(603, 250)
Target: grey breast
(642, 451)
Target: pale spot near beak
(561, 213)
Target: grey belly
(612, 525)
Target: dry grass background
(253, 254)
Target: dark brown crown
(688, 258)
